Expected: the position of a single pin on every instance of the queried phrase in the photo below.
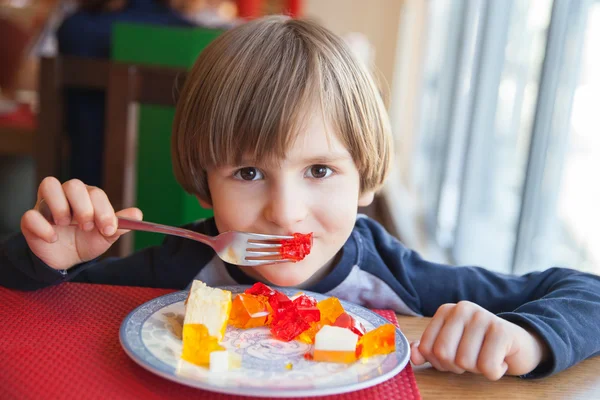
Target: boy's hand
(63, 245)
(465, 337)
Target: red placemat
(63, 342)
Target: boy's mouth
(297, 248)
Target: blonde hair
(248, 92)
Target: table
(99, 366)
(579, 382)
(63, 342)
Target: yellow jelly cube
(197, 344)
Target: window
(508, 136)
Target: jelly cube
(279, 303)
(334, 356)
(330, 309)
(249, 311)
(335, 344)
(308, 336)
(260, 288)
(307, 308)
(288, 324)
(381, 340)
(208, 306)
(345, 320)
(197, 344)
(219, 361)
(297, 248)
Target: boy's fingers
(80, 202)
(428, 340)
(51, 193)
(432, 331)
(470, 346)
(132, 213)
(447, 342)
(415, 355)
(104, 214)
(493, 351)
(34, 225)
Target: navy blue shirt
(374, 270)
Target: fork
(239, 248)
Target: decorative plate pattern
(151, 333)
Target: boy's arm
(173, 264)
(561, 305)
(21, 269)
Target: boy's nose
(285, 208)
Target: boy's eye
(319, 171)
(248, 174)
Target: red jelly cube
(345, 320)
(279, 302)
(260, 288)
(297, 248)
(307, 308)
(288, 324)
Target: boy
(280, 130)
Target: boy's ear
(204, 203)
(366, 198)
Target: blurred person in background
(21, 25)
(87, 33)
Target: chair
(16, 140)
(158, 194)
(130, 84)
(56, 75)
(125, 84)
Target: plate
(150, 335)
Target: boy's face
(314, 189)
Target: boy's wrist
(541, 345)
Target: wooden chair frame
(125, 85)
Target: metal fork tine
(254, 263)
(261, 236)
(261, 253)
(264, 245)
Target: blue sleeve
(170, 265)
(561, 305)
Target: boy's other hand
(465, 337)
(85, 223)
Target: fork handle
(145, 226)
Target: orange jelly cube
(197, 344)
(249, 311)
(334, 356)
(330, 309)
(378, 341)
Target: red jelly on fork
(297, 248)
